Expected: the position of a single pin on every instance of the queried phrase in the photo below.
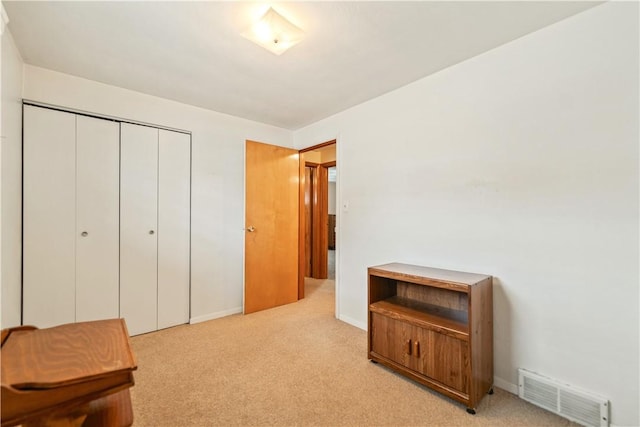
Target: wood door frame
(320, 217)
(320, 223)
(309, 171)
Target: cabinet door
(403, 343)
(434, 355)
(441, 357)
(49, 216)
(392, 339)
(447, 361)
(97, 207)
(138, 227)
(174, 211)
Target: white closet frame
(154, 228)
(49, 218)
(57, 299)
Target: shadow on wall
(502, 338)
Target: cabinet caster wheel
(490, 391)
(471, 411)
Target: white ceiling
(193, 52)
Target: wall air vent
(565, 400)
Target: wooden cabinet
(75, 374)
(434, 326)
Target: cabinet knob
(84, 234)
(251, 229)
(151, 232)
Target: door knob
(84, 234)
(251, 229)
(151, 231)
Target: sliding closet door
(138, 227)
(174, 165)
(97, 207)
(49, 217)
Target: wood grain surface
(434, 326)
(52, 376)
(66, 354)
(271, 208)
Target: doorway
(317, 246)
(332, 209)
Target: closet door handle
(151, 232)
(407, 347)
(84, 234)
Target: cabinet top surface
(432, 273)
(66, 354)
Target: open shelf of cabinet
(434, 326)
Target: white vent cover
(576, 405)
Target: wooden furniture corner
(70, 375)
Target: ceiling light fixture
(274, 32)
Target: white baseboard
(505, 385)
(215, 315)
(353, 322)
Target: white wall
(217, 217)
(11, 135)
(521, 163)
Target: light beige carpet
(294, 365)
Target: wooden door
(271, 226)
(49, 217)
(138, 227)
(320, 224)
(308, 220)
(174, 213)
(315, 221)
(97, 223)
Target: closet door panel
(174, 199)
(49, 217)
(97, 207)
(138, 227)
